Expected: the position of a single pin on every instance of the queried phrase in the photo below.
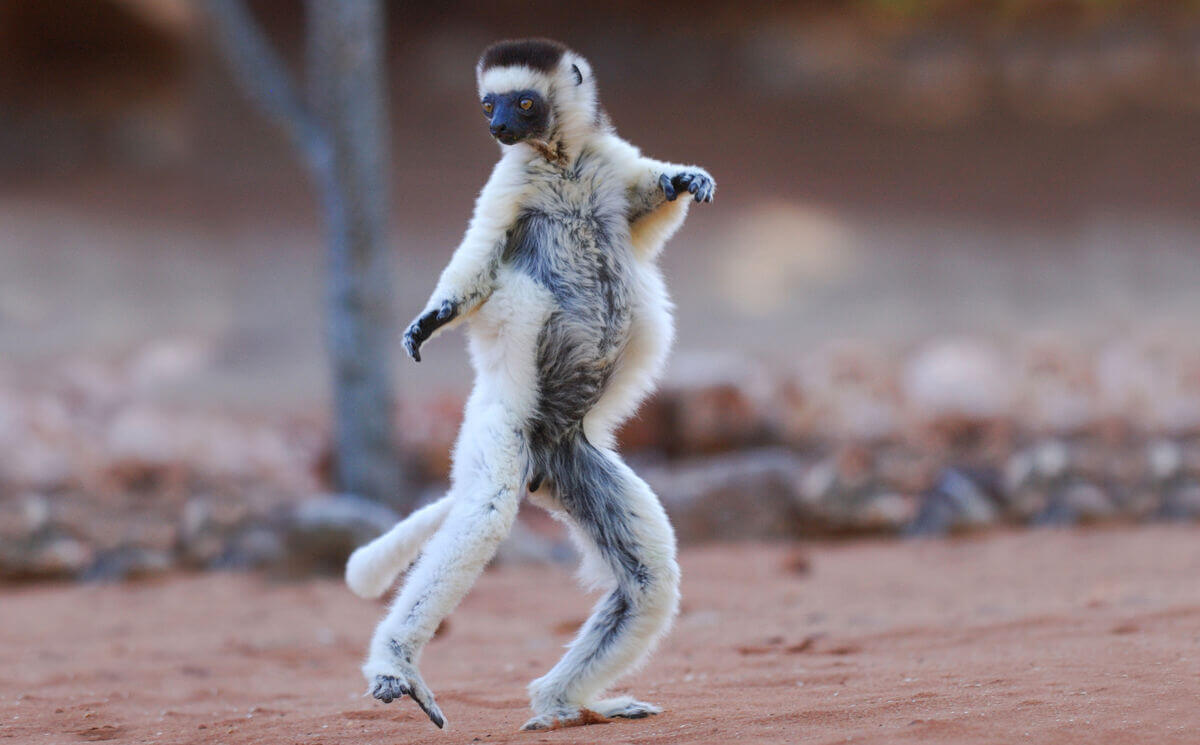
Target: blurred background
(948, 282)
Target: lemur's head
(536, 91)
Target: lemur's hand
(421, 329)
(697, 183)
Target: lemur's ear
(578, 74)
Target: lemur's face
(518, 115)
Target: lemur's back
(572, 237)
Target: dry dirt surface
(1039, 637)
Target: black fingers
(700, 186)
(421, 329)
(664, 182)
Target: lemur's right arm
(469, 278)
(659, 194)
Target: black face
(516, 116)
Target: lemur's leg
(489, 469)
(625, 532)
(373, 568)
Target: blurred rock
(34, 546)
(649, 429)
(1164, 459)
(1077, 503)
(843, 392)
(259, 547)
(957, 502)
(127, 562)
(1059, 394)
(320, 534)
(1181, 503)
(200, 541)
(745, 495)
(772, 493)
(46, 558)
(35, 512)
(885, 512)
(714, 404)
(959, 378)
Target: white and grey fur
(569, 326)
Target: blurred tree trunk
(341, 131)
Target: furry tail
(373, 568)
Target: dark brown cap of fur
(538, 54)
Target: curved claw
(424, 698)
(388, 688)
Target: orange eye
(487, 107)
(526, 104)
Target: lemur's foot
(407, 682)
(697, 183)
(564, 718)
(625, 707)
(421, 329)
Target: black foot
(388, 688)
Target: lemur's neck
(554, 150)
(560, 150)
(568, 137)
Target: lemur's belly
(583, 259)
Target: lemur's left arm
(659, 195)
(469, 278)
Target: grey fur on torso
(572, 237)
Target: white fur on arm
(469, 278)
(662, 218)
(652, 230)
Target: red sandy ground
(1040, 637)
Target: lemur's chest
(586, 189)
(571, 225)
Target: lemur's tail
(373, 568)
(585, 480)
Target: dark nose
(498, 128)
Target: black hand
(701, 187)
(421, 329)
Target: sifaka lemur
(569, 326)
